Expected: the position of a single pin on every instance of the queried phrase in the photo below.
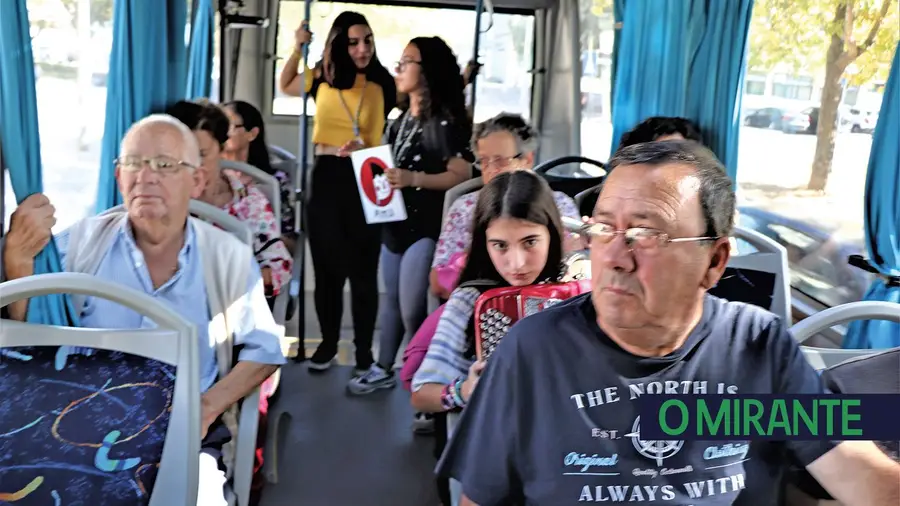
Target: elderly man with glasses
(154, 246)
(555, 418)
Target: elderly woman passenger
(501, 144)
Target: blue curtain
(200, 52)
(882, 217)
(716, 74)
(147, 70)
(21, 145)
(683, 58)
(651, 63)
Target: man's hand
(29, 230)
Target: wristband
(457, 393)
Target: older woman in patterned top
(503, 143)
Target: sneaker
(321, 360)
(374, 379)
(360, 371)
(423, 423)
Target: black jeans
(343, 246)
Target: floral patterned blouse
(252, 207)
(288, 197)
(456, 235)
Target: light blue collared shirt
(185, 292)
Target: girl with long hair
(517, 240)
(354, 93)
(430, 143)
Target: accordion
(497, 309)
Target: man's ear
(720, 254)
(200, 178)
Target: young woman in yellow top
(353, 94)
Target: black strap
(266, 246)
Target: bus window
(507, 49)
(71, 59)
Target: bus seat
(758, 278)
(210, 214)
(278, 153)
(586, 200)
(822, 358)
(238, 494)
(271, 188)
(266, 183)
(458, 191)
(468, 186)
(571, 185)
(846, 371)
(170, 442)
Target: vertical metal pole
(300, 183)
(479, 7)
(223, 52)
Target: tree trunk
(828, 110)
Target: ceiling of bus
(528, 5)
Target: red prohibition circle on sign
(373, 180)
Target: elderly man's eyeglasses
(636, 238)
(498, 162)
(159, 164)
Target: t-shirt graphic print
(555, 419)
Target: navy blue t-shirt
(552, 421)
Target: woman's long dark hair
(521, 195)
(339, 70)
(197, 116)
(444, 94)
(258, 151)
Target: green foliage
(793, 36)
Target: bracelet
(447, 398)
(457, 392)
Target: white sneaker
(374, 379)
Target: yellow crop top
(333, 124)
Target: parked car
(802, 122)
(767, 117)
(817, 256)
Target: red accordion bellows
(497, 309)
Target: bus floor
(347, 451)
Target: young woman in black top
(430, 144)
